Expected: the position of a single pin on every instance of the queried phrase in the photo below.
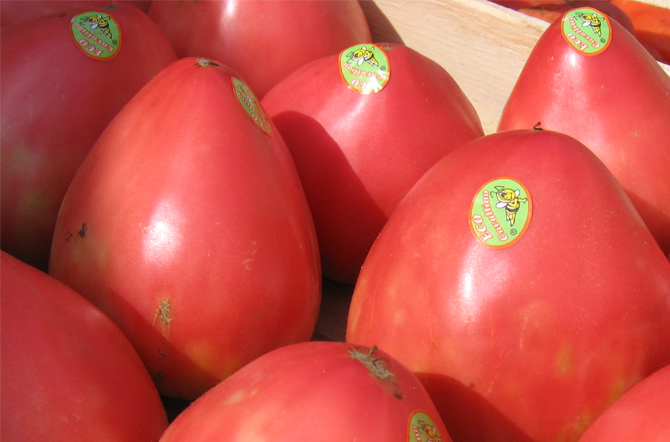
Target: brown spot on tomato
(164, 315)
(82, 232)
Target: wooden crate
(482, 45)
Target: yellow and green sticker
(500, 212)
(422, 428)
(251, 105)
(365, 68)
(96, 34)
(587, 30)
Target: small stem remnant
(374, 365)
(538, 126)
(202, 62)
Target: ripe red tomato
(325, 391)
(187, 224)
(520, 285)
(643, 413)
(68, 372)
(263, 41)
(55, 102)
(359, 153)
(19, 11)
(623, 116)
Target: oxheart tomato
(325, 391)
(187, 224)
(517, 281)
(263, 41)
(363, 126)
(643, 413)
(68, 372)
(19, 11)
(60, 88)
(599, 85)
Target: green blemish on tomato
(564, 361)
(23, 159)
(617, 390)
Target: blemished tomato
(623, 116)
(643, 413)
(19, 11)
(359, 153)
(68, 372)
(187, 224)
(517, 281)
(323, 391)
(55, 102)
(263, 41)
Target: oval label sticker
(422, 428)
(587, 30)
(365, 68)
(251, 105)
(96, 34)
(500, 212)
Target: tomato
(55, 102)
(623, 116)
(187, 224)
(325, 391)
(263, 41)
(19, 11)
(517, 281)
(358, 153)
(68, 372)
(643, 413)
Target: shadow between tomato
(467, 415)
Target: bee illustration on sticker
(591, 19)
(430, 431)
(98, 22)
(510, 201)
(363, 55)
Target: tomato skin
(68, 372)
(643, 413)
(55, 103)
(263, 41)
(188, 226)
(529, 342)
(20, 11)
(358, 155)
(623, 117)
(308, 391)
